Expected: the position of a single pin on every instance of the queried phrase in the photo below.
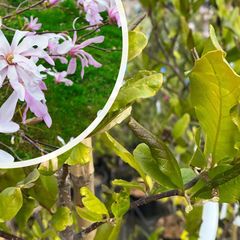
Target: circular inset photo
(62, 63)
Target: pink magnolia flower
(113, 13)
(60, 77)
(18, 64)
(77, 51)
(7, 111)
(92, 9)
(32, 24)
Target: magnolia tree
(31, 55)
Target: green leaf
(150, 166)
(48, 168)
(25, 213)
(159, 155)
(225, 179)
(28, 182)
(62, 219)
(122, 152)
(45, 191)
(112, 119)
(181, 126)
(121, 204)
(92, 203)
(80, 154)
(116, 230)
(137, 42)
(198, 159)
(187, 174)
(88, 215)
(212, 43)
(193, 221)
(235, 115)
(11, 201)
(214, 92)
(144, 84)
(128, 185)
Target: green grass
(73, 108)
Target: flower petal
(5, 158)
(72, 66)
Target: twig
(137, 22)
(9, 236)
(12, 151)
(23, 10)
(65, 199)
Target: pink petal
(72, 66)
(86, 43)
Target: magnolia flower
(60, 77)
(32, 24)
(92, 9)
(113, 13)
(18, 63)
(74, 50)
(7, 111)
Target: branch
(23, 10)
(9, 236)
(141, 202)
(134, 25)
(65, 198)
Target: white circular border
(100, 115)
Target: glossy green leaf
(212, 42)
(121, 204)
(25, 212)
(62, 219)
(235, 115)
(80, 154)
(48, 168)
(159, 154)
(28, 182)
(214, 91)
(11, 201)
(112, 119)
(198, 159)
(87, 215)
(187, 174)
(137, 42)
(151, 167)
(181, 126)
(193, 221)
(122, 152)
(45, 191)
(225, 179)
(92, 203)
(128, 185)
(144, 84)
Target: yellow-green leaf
(80, 155)
(62, 219)
(122, 152)
(92, 203)
(214, 92)
(11, 201)
(144, 84)
(137, 42)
